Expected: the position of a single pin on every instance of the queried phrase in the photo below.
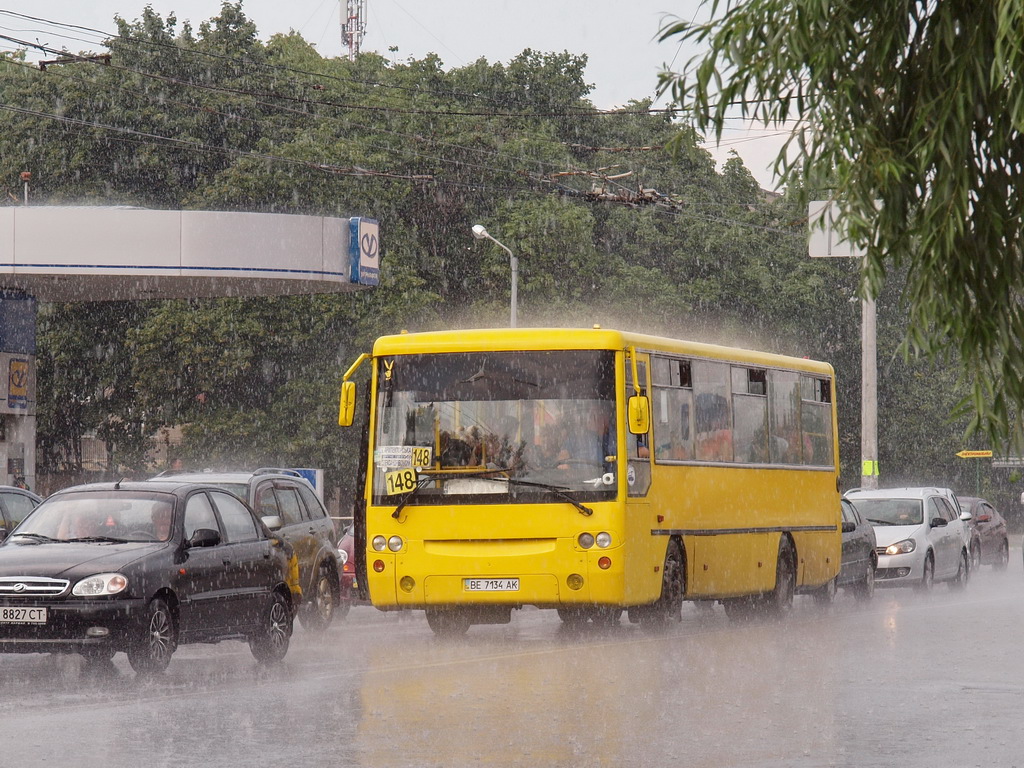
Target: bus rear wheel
(780, 600)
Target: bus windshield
(495, 426)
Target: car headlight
(100, 584)
(901, 547)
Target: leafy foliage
(217, 119)
(918, 105)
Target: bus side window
(712, 411)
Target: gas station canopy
(82, 253)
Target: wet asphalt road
(904, 680)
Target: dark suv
(287, 504)
(142, 568)
(15, 504)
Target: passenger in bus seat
(454, 451)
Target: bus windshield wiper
(558, 491)
(426, 479)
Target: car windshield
(100, 516)
(890, 511)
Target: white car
(921, 535)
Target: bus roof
(512, 339)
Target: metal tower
(353, 26)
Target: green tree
(916, 105)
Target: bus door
(646, 552)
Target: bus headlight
(604, 540)
(395, 543)
(586, 540)
(379, 543)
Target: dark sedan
(989, 542)
(859, 559)
(102, 568)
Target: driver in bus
(592, 443)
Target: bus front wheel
(448, 622)
(669, 606)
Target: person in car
(162, 517)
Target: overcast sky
(619, 39)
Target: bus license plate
(491, 585)
(22, 615)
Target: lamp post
(482, 234)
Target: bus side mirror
(347, 407)
(639, 414)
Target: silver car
(921, 534)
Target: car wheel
(865, 589)
(448, 622)
(151, 651)
(317, 615)
(826, 594)
(1004, 556)
(928, 575)
(269, 643)
(780, 600)
(963, 572)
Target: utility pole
(353, 26)
(827, 241)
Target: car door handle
(226, 562)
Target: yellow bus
(592, 471)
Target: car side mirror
(938, 522)
(849, 527)
(204, 537)
(273, 522)
(967, 516)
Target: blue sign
(364, 250)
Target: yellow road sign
(975, 454)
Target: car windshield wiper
(881, 522)
(36, 537)
(101, 539)
(425, 479)
(558, 491)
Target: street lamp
(482, 234)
